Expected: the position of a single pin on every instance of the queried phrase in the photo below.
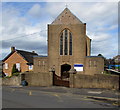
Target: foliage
(7, 77)
(14, 69)
(16, 74)
(101, 55)
(0, 75)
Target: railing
(112, 70)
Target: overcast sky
(24, 25)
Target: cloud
(19, 31)
(39, 46)
(54, 9)
(101, 19)
(35, 11)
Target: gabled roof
(28, 56)
(8, 56)
(67, 17)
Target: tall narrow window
(70, 44)
(18, 66)
(61, 44)
(6, 65)
(90, 63)
(66, 43)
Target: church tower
(68, 44)
(68, 48)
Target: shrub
(16, 74)
(14, 69)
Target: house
(22, 59)
(68, 48)
(117, 59)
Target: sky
(24, 25)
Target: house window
(90, 63)
(66, 42)
(18, 66)
(6, 74)
(30, 67)
(43, 63)
(6, 65)
(95, 63)
(39, 63)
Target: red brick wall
(13, 59)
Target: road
(29, 97)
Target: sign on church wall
(78, 67)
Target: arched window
(70, 43)
(61, 44)
(66, 42)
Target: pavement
(110, 96)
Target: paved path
(53, 97)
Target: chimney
(12, 49)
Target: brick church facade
(68, 48)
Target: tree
(101, 55)
(14, 69)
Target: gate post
(52, 72)
(72, 74)
(71, 83)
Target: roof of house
(66, 17)
(28, 56)
(118, 56)
(41, 56)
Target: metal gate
(58, 81)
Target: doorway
(64, 70)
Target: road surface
(29, 97)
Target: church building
(68, 48)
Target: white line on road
(94, 92)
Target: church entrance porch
(64, 71)
(62, 80)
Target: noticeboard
(78, 67)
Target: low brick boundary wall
(95, 81)
(33, 79)
(12, 81)
(76, 80)
(39, 79)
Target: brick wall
(13, 81)
(40, 64)
(39, 79)
(94, 81)
(94, 65)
